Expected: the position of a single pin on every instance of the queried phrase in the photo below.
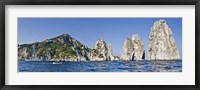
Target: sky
(89, 30)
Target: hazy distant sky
(89, 30)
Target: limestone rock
(101, 51)
(133, 49)
(161, 42)
(62, 48)
(110, 55)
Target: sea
(101, 66)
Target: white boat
(57, 62)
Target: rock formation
(63, 47)
(110, 55)
(161, 42)
(101, 51)
(133, 49)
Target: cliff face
(63, 47)
(133, 49)
(101, 51)
(110, 54)
(161, 42)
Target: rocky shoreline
(66, 48)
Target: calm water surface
(103, 66)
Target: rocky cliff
(101, 51)
(161, 42)
(63, 47)
(133, 49)
(110, 54)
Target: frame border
(3, 3)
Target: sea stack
(110, 52)
(101, 52)
(133, 49)
(162, 45)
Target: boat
(56, 62)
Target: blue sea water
(101, 66)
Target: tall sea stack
(161, 42)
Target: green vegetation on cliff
(61, 47)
